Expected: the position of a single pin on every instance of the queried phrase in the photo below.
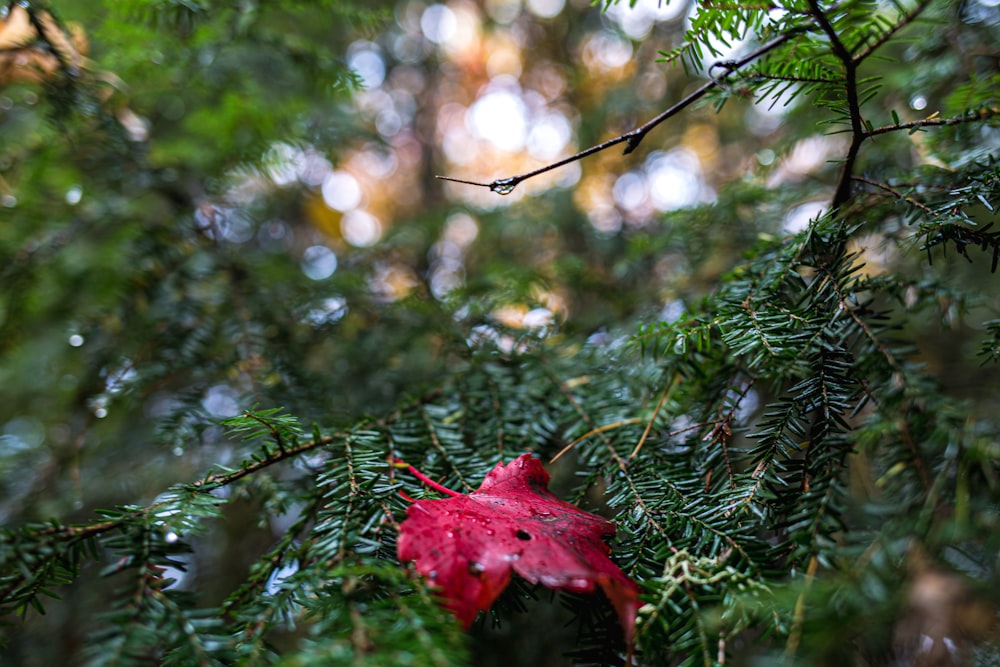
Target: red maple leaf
(468, 546)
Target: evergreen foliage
(790, 454)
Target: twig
(790, 78)
(799, 617)
(659, 406)
(595, 431)
(839, 49)
(632, 139)
(722, 430)
(893, 191)
(270, 427)
(983, 113)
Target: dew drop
(476, 569)
(504, 186)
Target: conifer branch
(790, 78)
(893, 191)
(984, 113)
(851, 62)
(209, 483)
(904, 20)
(843, 191)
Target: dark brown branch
(843, 192)
(851, 64)
(838, 47)
(633, 138)
(982, 114)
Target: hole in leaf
(522, 535)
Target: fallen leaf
(468, 546)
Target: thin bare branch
(659, 406)
(632, 138)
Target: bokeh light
(439, 24)
(341, 191)
(366, 60)
(360, 228)
(500, 116)
(318, 262)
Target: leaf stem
(424, 478)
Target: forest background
(231, 288)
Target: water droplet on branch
(504, 186)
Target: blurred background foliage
(209, 207)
